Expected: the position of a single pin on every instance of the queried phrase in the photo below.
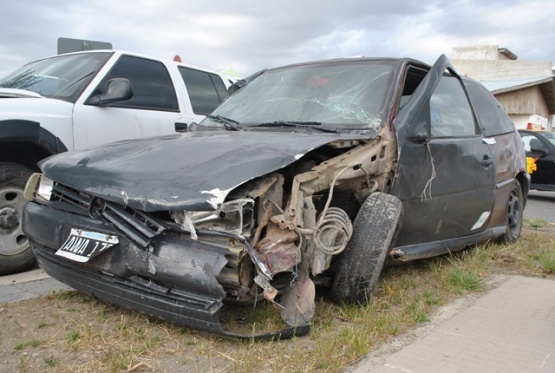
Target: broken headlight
(38, 187)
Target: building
(525, 89)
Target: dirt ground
(71, 332)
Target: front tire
(15, 252)
(362, 261)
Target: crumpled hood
(192, 171)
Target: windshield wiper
(229, 124)
(57, 94)
(297, 124)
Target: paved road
(541, 205)
(27, 285)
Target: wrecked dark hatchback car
(311, 174)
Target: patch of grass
(432, 299)
(50, 362)
(537, 223)
(460, 279)
(32, 343)
(64, 294)
(73, 336)
(546, 260)
(416, 310)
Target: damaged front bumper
(176, 279)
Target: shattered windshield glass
(62, 77)
(344, 94)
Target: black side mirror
(117, 89)
(537, 147)
(540, 150)
(418, 133)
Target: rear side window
(492, 117)
(206, 90)
(152, 85)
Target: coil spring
(333, 231)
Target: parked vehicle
(80, 100)
(540, 147)
(310, 174)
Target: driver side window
(450, 111)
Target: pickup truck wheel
(15, 252)
(362, 261)
(514, 214)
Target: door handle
(486, 161)
(180, 127)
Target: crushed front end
(271, 238)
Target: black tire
(15, 252)
(362, 261)
(515, 212)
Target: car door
(543, 153)
(152, 110)
(445, 175)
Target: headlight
(38, 187)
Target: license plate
(82, 245)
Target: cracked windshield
(342, 96)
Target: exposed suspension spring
(333, 231)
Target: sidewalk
(27, 285)
(509, 329)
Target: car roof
(354, 59)
(134, 54)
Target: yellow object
(531, 164)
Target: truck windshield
(62, 77)
(346, 94)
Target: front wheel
(362, 261)
(15, 252)
(515, 211)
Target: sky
(249, 35)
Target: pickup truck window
(206, 90)
(152, 85)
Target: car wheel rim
(514, 211)
(12, 239)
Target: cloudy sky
(248, 35)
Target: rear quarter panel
(510, 162)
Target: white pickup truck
(84, 99)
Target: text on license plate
(82, 245)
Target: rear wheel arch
(524, 182)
